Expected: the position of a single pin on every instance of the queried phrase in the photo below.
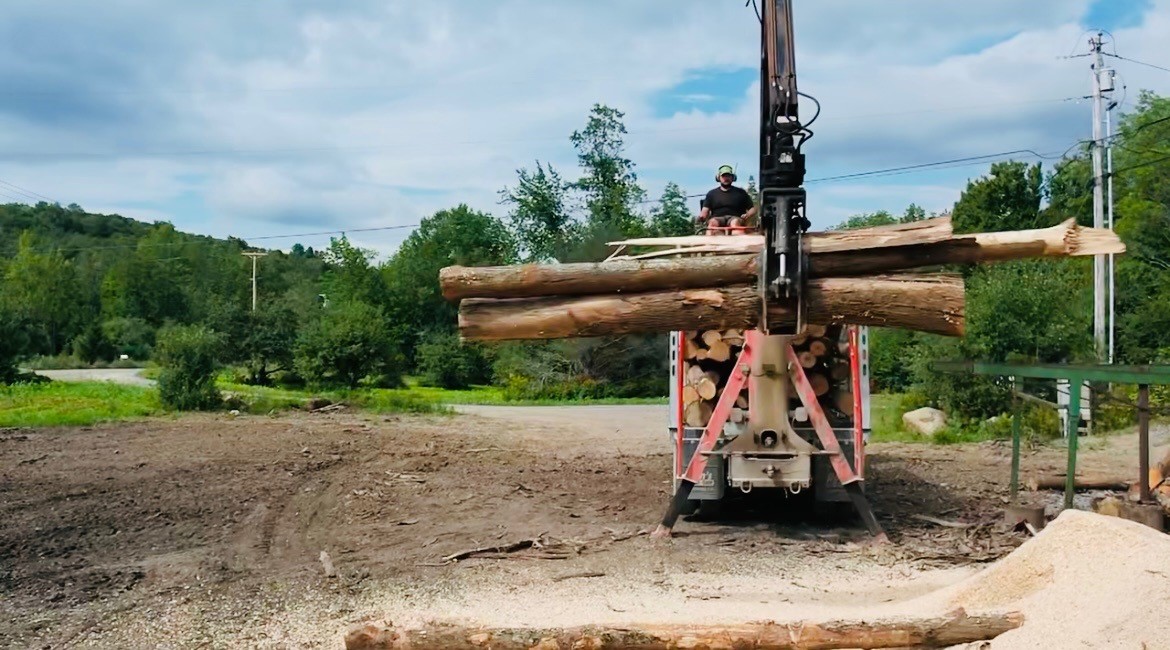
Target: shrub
(91, 345)
(444, 361)
(348, 343)
(13, 346)
(187, 355)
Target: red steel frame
(858, 415)
(735, 385)
(680, 381)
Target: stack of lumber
(855, 277)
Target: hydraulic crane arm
(782, 194)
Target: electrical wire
(908, 168)
(1141, 164)
(755, 7)
(24, 196)
(815, 115)
(1126, 58)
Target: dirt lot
(206, 531)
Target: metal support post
(1074, 419)
(1144, 441)
(694, 472)
(1016, 404)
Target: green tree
(267, 347)
(1008, 198)
(539, 219)
(348, 343)
(445, 361)
(350, 276)
(671, 217)
(867, 220)
(13, 345)
(460, 236)
(608, 182)
(188, 355)
(41, 288)
(91, 345)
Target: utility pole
(255, 255)
(1109, 220)
(1102, 85)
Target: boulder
(925, 421)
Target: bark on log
(953, 628)
(1056, 482)
(924, 303)
(853, 255)
(1063, 240)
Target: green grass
(77, 404)
(413, 398)
(85, 403)
(885, 414)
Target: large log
(839, 256)
(1063, 240)
(924, 303)
(953, 628)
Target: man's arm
(705, 212)
(751, 206)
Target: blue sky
(290, 116)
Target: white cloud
(306, 116)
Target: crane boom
(782, 164)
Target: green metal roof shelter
(1076, 375)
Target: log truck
(776, 446)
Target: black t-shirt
(732, 202)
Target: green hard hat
(725, 169)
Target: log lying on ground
(1089, 482)
(953, 628)
(856, 255)
(924, 303)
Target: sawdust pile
(1086, 581)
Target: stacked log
(719, 291)
(824, 354)
(708, 361)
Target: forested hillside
(97, 286)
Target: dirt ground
(207, 531)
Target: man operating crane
(727, 208)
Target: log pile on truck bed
(709, 358)
(709, 283)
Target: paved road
(130, 376)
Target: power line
(1141, 164)
(26, 191)
(920, 166)
(1126, 58)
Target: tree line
(96, 287)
